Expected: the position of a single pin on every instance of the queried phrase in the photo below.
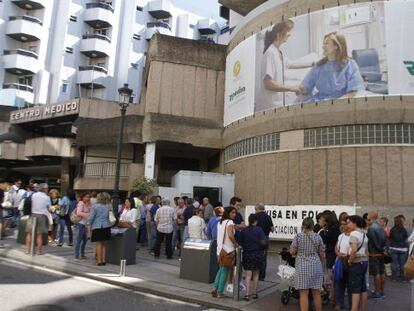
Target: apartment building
(54, 51)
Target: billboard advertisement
(356, 50)
(287, 220)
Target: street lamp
(124, 100)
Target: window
(101, 64)
(137, 37)
(134, 65)
(26, 80)
(65, 86)
(103, 31)
(73, 18)
(69, 50)
(139, 8)
(253, 145)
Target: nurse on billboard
(274, 64)
(335, 75)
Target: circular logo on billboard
(236, 69)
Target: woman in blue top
(101, 227)
(67, 205)
(253, 241)
(335, 75)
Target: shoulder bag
(409, 265)
(112, 218)
(226, 259)
(74, 217)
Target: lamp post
(124, 100)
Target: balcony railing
(26, 18)
(96, 36)
(158, 24)
(21, 52)
(101, 5)
(94, 68)
(17, 86)
(104, 169)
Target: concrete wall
(50, 146)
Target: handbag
(74, 217)
(112, 218)
(227, 259)
(409, 265)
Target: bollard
(33, 240)
(122, 268)
(237, 275)
(412, 294)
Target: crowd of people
(338, 252)
(350, 248)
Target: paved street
(26, 289)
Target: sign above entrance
(287, 220)
(45, 112)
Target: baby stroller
(287, 275)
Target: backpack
(27, 205)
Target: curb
(137, 288)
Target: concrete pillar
(149, 161)
(64, 175)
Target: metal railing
(96, 36)
(21, 52)
(101, 5)
(17, 86)
(26, 18)
(158, 24)
(104, 169)
(94, 68)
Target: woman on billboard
(335, 75)
(273, 68)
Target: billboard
(287, 220)
(348, 51)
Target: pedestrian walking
(265, 222)
(376, 249)
(253, 240)
(83, 210)
(398, 248)
(164, 219)
(358, 262)
(40, 203)
(226, 250)
(309, 250)
(67, 206)
(100, 226)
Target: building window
(73, 18)
(137, 36)
(65, 86)
(140, 8)
(69, 50)
(365, 134)
(134, 65)
(253, 145)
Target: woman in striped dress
(309, 250)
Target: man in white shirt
(164, 220)
(40, 203)
(197, 225)
(15, 196)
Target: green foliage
(144, 185)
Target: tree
(144, 185)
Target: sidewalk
(161, 278)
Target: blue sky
(207, 8)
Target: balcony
(24, 28)
(50, 146)
(157, 27)
(15, 94)
(30, 4)
(92, 77)
(207, 26)
(95, 45)
(20, 62)
(159, 9)
(99, 15)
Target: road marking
(96, 282)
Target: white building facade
(53, 51)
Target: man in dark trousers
(265, 222)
